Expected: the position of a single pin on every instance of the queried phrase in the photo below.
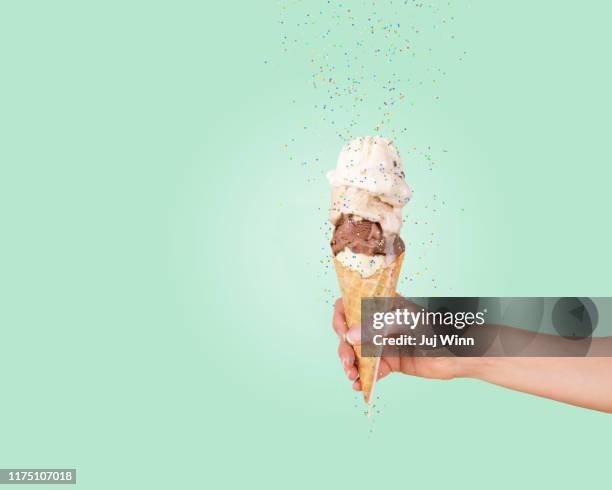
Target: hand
(580, 381)
(425, 367)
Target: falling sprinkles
(369, 66)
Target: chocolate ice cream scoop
(363, 237)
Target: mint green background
(165, 282)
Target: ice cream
(364, 265)
(352, 200)
(368, 193)
(373, 164)
(364, 237)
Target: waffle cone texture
(353, 288)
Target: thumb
(353, 336)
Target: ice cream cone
(353, 288)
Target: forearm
(582, 381)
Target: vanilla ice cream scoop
(373, 164)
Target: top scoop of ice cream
(373, 164)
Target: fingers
(384, 369)
(349, 338)
(352, 373)
(339, 304)
(347, 354)
(339, 319)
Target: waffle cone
(353, 288)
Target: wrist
(471, 367)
